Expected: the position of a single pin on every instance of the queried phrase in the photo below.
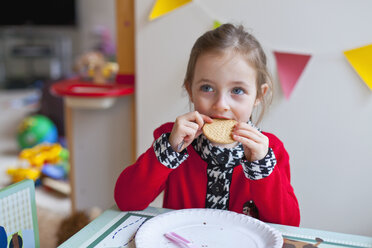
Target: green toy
(36, 129)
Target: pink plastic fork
(179, 240)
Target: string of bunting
(290, 66)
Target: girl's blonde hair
(235, 38)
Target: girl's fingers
(254, 142)
(249, 134)
(188, 133)
(180, 131)
(192, 125)
(206, 118)
(253, 151)
(201, 120)
(183, 139)
(195, 117)
(246, 126)
(186, 128)
(246, 142)
(187, 139)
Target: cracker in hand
(219, 131)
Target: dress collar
(219, 156)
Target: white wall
(326, 125)
(93, 13)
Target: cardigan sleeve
(165, 153)
(259, 169)
(139, 184)
(274, 195)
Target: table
(103, 232)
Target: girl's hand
(256, 144)
(186, 128)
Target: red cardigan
(186, 186)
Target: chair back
(18, 218)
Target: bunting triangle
(162, 7)
(361, 60)
(216, 24)
(290, 67)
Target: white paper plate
(208, 228)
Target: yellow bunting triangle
(162, 7)
(361, 60)
(216, 24)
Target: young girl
(226, 78)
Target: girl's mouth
(220, 117)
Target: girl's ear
(264, 89)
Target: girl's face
(224, 86)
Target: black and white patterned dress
(221, 163)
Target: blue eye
(206, 88)
(238, 91)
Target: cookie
(219, 131)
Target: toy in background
(98, 65)
(48, 156)
(92, 66)
(104, 42)
(17, 174)
(46, 164)
(36, 129)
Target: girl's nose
(221, 103)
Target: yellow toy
(42, 154)
(35, 158)
(19, 174)
(110, 70)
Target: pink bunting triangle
(290, 67)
